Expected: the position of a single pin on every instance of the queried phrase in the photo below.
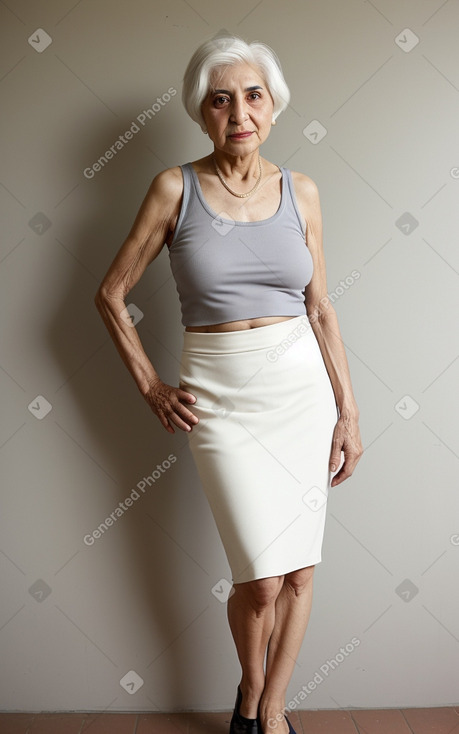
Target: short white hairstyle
(225, 49)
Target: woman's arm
(324, 322)
(150, 230)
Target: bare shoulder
(307, 196)
(168, 184)
(305, 186)
(164, 199)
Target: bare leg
(251, 616)
(292, 611)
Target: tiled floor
(361, 721)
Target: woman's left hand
(346, 439)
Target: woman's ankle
(271, 713)
(251, 694)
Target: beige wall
(76, 619)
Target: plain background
(143, 604)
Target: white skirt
(267, 411)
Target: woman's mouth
(241, 136)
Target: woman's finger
(346, 439)
(166, 403)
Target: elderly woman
(265, 392)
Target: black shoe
(240, 724)
(259, 726)
(291, 730)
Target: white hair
(224, 49)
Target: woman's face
(238, 101)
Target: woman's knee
(262, 593)
(298, 581)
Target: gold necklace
(241, 196)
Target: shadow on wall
(167, 535)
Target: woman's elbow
(108, 293)
(103, 298)
(100, 297)
(321, 312)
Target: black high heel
(259, 726)
(240, 724)
(291, 730)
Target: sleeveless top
(226, 270)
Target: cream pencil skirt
(267, 411)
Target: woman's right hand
(167, 403)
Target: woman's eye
(219, 101)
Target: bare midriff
(239, 325)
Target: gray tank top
(226, 270)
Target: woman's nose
(238, 112)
